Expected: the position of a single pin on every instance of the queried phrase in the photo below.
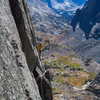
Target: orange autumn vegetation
(80, 79)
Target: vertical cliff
(18, 54)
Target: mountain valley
(50, 50)
(72, 60)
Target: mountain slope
(45, 21)
(89, 22)
(62, 6)
(51, 16)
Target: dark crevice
(26, 46)
(30, 24)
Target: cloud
(57, 5)
(67, 5)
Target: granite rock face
(18, 53)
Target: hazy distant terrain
(51, 16)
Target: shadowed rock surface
(87, 17)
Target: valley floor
(70, 75)
(69, 79)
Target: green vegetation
(72, 56)
(75, 66)
(45, 62)
(76, 76)
(91, 75)
(54, 64)
(58, 80)
(63, 61)
(54, 89)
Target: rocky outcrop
(89, 21)
(18, 54)
(94, 87)
(87, 17)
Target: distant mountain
(64, 6)
(44, 19)
(51, 16)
